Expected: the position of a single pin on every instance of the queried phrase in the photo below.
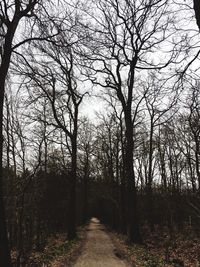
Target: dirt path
(98, 250)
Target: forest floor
(58, 251)
(161, 250)
(96, 246)
(92, 248)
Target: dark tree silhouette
(197, 11)
(10, 14)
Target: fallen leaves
(161, 249)
(58, 252)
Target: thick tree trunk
(197, 11)
(133, 230)
(123, 219)
(123, 209)
(8, 133)
(72, 193)
(5, 260)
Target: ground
(97, 246)
(99, 250)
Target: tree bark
(5, 260)
(85, 181)
(72, 193)
(133, 231)
(149, 182)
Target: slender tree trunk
(149, 182)
(163, 170)
(197, 163)
(191, 173)
(85, 181)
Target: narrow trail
(98, 250)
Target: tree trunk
(85, 181)
(123, 219)
(5, 260)
(149, 182)
(197, 11)
(133, 231)
(72, 193)
(191, 173)
(123, 205)
(197, 164)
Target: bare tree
(160, 109)
(11, 13)
(85, 146)
(123, 39)
(55, 79)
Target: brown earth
(99, 250)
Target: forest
(100, 118)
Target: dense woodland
(133, 164)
